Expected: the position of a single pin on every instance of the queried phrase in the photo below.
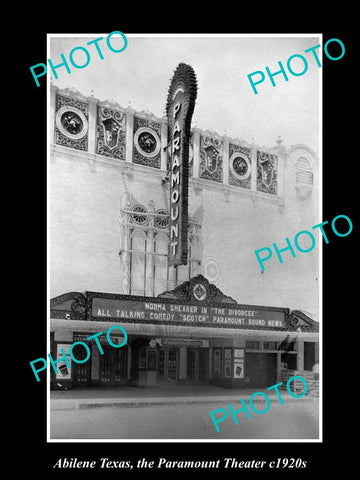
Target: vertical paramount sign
(179, 109)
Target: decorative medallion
(71, 123)
(210, 269)
(147, 142)
(211, 159)
(267, 165)
(199, 291)
(240, 166)
(110, 133)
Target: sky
(140, 75)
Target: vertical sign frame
(179, 110)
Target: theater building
(220, 318)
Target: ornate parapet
(70, 305)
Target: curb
(138, 403)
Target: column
(196, 152)
(281, 177)
(300, 355)
(278, 367)
(164, 141)
(226, 160)
(129, 134)
(149, 267)
(210, 374)
(182, 364)
(253, 169)
(316, 346)
(95, 365)
(51, 127)
(92, 124)
(124, 254)
(128, 361)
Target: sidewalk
(162, 395)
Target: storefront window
(148, 245)
(151, 356)
(142, 359)
(270, 345)
(161, 271)
(227, 362)
(252, 344)
(147, 358)
(138, 264)
(217, 363)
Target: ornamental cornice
(110, 103)
(72, 92)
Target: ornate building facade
(109, 243)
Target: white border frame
(320, 214)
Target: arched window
(138, 244)
(303, 173)
(147, 245)
(161, 271)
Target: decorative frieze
(239, 166)
(147, 142)
(106, 129)
(71, 123)
(211, 161)
(110, 133)
(267, 171)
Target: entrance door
(261, 369)
(203, 364)
(82, 371)
(112, 366)
(168, 365)
(197, 364)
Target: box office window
(270, 345)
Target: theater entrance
(197, 361)
(168, 364)
(112, 368)
(81, 371)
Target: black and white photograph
(185, 240)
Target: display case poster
(63, 369)
(217, 362)
(227, 363)
(238, 363)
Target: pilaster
(130, 113)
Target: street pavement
(185, 415)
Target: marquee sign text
(236, 315)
